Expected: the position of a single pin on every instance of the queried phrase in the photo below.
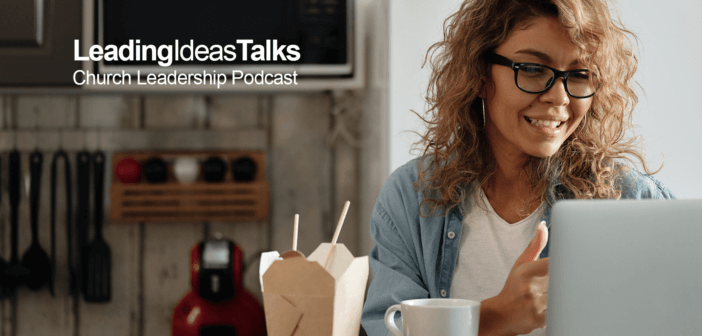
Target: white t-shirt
(488, 249)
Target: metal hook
(36, 128)
(61, 129)
(60, 144)
(99, 138)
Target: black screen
(318, 27)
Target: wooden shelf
(201, 201)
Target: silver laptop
(625, 268)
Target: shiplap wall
(308, 173)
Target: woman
(530, 103)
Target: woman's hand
(521, 305)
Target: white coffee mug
(435, 317)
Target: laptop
(625, 267)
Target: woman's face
(511, 112)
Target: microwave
(311, 37)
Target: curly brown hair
(587, 163)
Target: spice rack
(201, 201)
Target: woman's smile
(550, 124)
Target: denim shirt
(414, 257)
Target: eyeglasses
(538, 78)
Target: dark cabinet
(36, 41)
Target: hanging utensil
(82, 216)
(61, 154)
(36, 260)
(15, 273)
(98, 252)
(4, 265)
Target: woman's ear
(483, 87)
(486, 88)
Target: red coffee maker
(217, 303)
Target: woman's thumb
(533, 250)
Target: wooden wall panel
(346, 189)
(109, 111)
(166, 270)
(301, 171)
(46, 111)
(232, 112)
(174, 111)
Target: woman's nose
(557, 94)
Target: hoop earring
(580, 127)
(582, 123)
(483, 101)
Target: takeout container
(301, 297)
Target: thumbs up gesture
(521, 305)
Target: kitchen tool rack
(201, 201)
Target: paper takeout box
(300, 297)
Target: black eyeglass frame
(494, 58)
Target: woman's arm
(396, 276)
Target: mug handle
(390, 320)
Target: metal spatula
(98, 264)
